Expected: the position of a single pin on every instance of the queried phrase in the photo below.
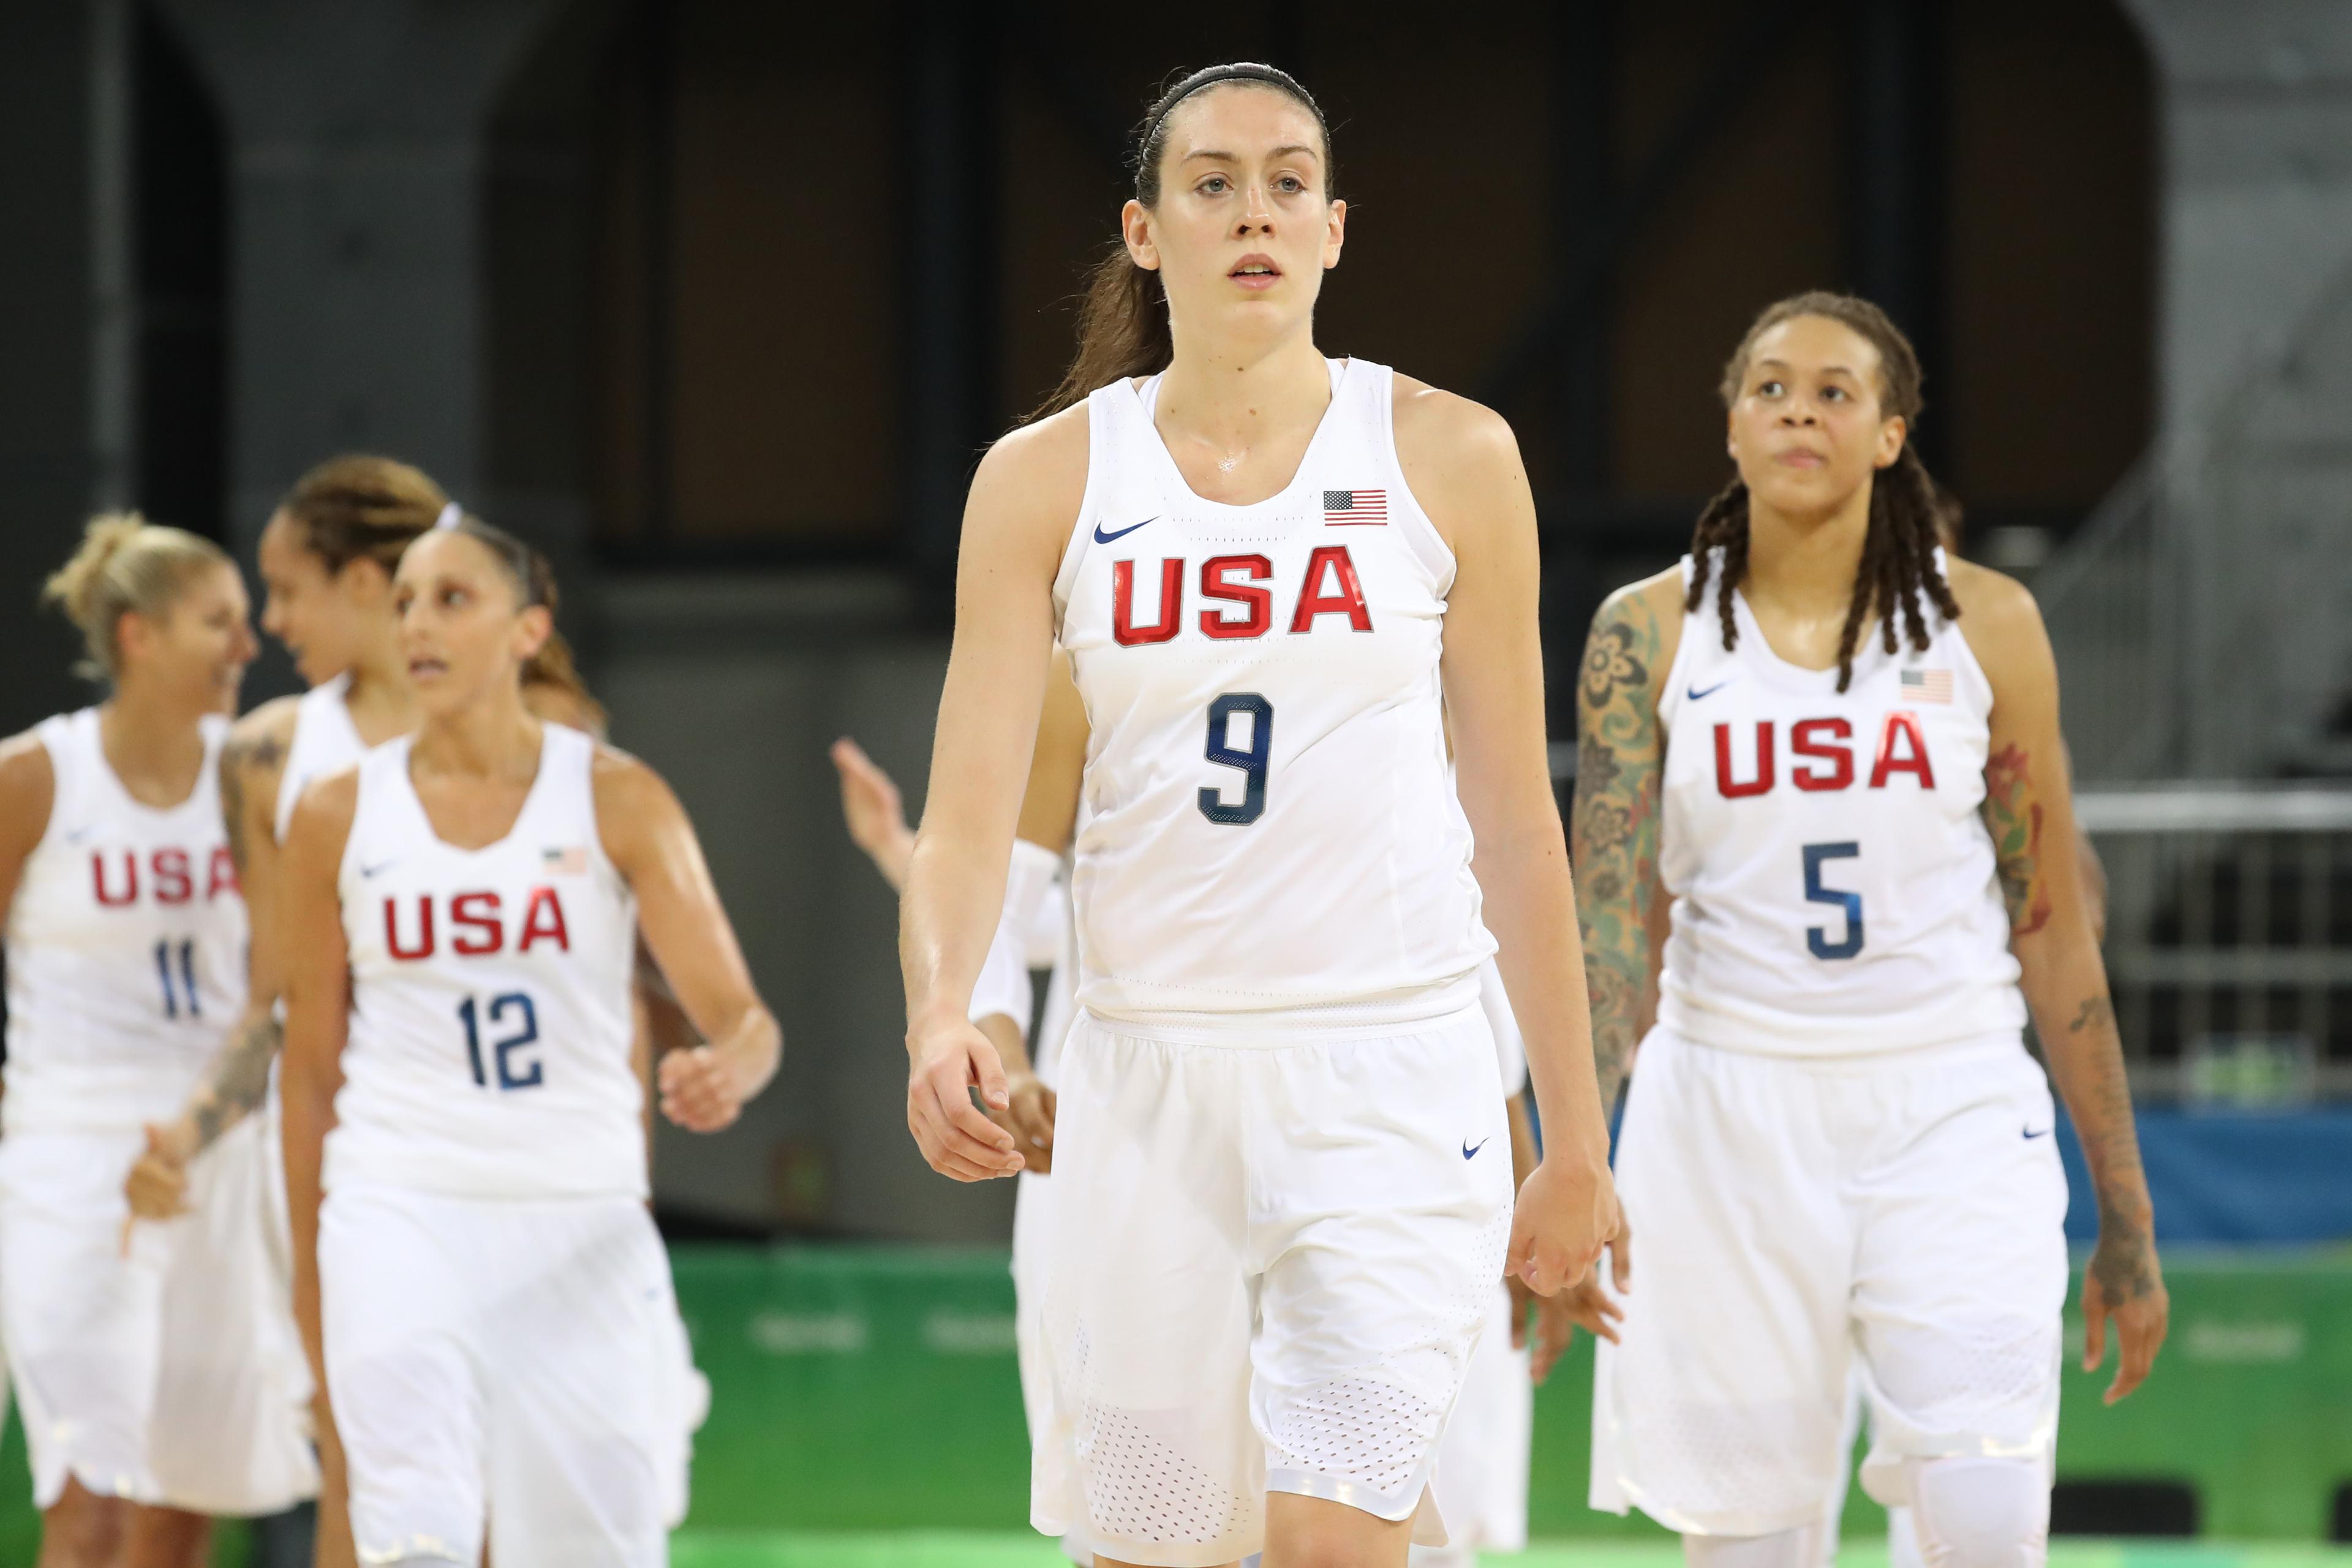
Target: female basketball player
(1836, 1140)
(1274, 1252)
(491, 1299)
(155, 1377)
(326, 559)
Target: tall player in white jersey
(153, 1368)
(480, 1275)
(1276, 575)
(1836, 749)
(1481, 1474)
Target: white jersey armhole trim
(1669, 696)
(55, 736)
(1074, 548)
(1428, 545)
(1971, 671)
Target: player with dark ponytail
(1280, 579)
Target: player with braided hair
(1847, 777)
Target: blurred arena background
(717, 299)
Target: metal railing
(2230, 938)
(2202, 617)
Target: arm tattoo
(240, 1076)
(1614, 825)
(260, 754)
(2012, 815)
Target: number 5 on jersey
(1817, 937)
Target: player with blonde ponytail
(159, 1379)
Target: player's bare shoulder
(321, 823)
(635, 807)
(28, 785)
(1030, 485)
(1460, 457)
(2001, 623)
(253, 757)
(1637, 633)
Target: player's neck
(1233, 395)
(154, 742)
(379, 698)
(1805, 566)
(494, 740)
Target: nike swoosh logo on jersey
(2029, 1134)
(1695, 695)
(382, 866)
(1102, 538)
(79, 833)
(1469, 1149)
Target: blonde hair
(126, 565)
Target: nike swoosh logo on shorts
(1470, 1149)
(1102, 538)
(1693, 694)
(2029, 1134)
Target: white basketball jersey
(1833, 885)
(126, 945)
(325, 742)
(488, 1053)
(1266, 832)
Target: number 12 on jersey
(1252, 761)
(526, 1033)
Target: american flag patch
(1359, 509)
(572, 862)
(1928, 685)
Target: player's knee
(1797, 1548)
(1971, 1512)
(85, 1531)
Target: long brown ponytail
(1907, 510)
(1123, 317)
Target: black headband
(1217, 76)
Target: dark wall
(45, 337)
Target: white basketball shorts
(1481, 1483)
(509, 1358)
(1789, 1216)
(1269, 1262)
(172, 1376)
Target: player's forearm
(754, 1044)
(1531, 907)
(947, 919)
(2066, 986)
(1525, 1155)
(237, 1083)
(308, 1107)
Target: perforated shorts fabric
(1802, 1224)
(1268, 1267)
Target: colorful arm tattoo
(1614, 825)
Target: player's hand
(1590, 1306)
(1028, 1115)
(1553, 1328)
(876, 813)
(157, 1187)
(949, 1062)
(1567, 1212)
(703, 1088)
(2125, 1283)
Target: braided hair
(1906, 507)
